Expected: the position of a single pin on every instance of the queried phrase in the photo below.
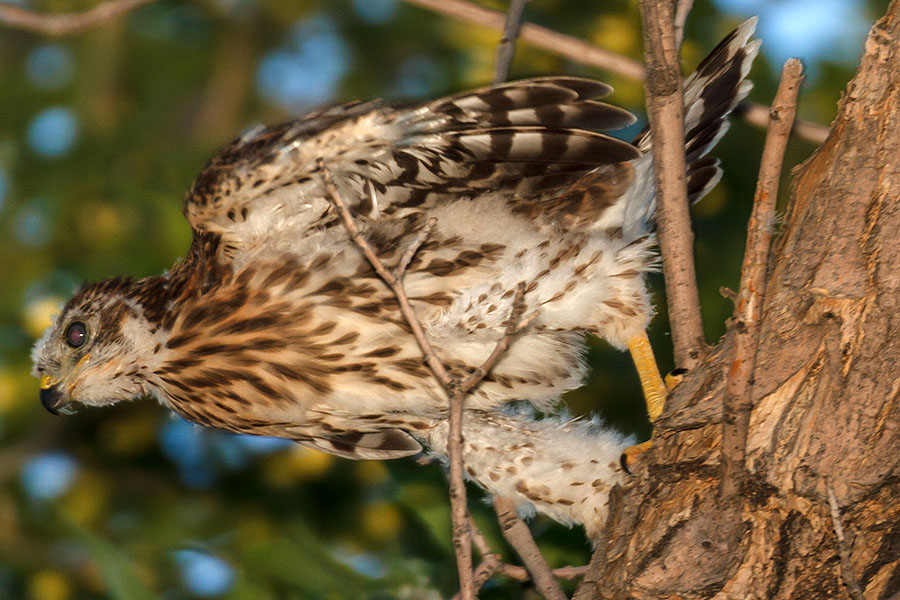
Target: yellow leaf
(49, 585)
(381, 521)
(40, 314)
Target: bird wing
(524, 138)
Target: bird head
(97, 352)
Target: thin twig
(486, 569)
(585, 53)
(507, 46)
(413, 247)
(665, 108)
(758, 115)
(514, 324)
(522, 574)
(478, 538)
(682, 10)
(517, 534)
(58, 25)
(389, 277)
(576, 50)
(843, 547)
(737, 401)
(458, 505)
(463, 528)
(492, 564)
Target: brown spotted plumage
(275, 324)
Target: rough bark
(826, 401)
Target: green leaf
(121, 581)
(305, 564)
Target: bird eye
(76, 333)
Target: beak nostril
(51, 399)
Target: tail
(711, 92)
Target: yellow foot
(655, 390)
(631, 454)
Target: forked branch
(517, 534)
(456, 389)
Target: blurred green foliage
(101, 134)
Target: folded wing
(526, 138)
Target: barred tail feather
(711, 92)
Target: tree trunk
(825, 398)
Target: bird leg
(655, 390)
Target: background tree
(100, 135)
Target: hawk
(275, 324)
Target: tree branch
(737, 401)
(458, 505)
(665, 108)
(517, 534)
(58, 25)
(507, 46)
(492, 563)
(682, 10)
(456, 389)
(585, 53)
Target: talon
(674, 378)
(631, 454)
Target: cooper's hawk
(275, 324)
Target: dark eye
(76, 333)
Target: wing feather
(525, 138)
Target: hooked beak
(51, 397)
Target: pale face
(96, 353)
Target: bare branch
(665, 108)
(492, 565)
(514, 324)
(458, 504)
(413, 247)
(459, 508)
(478, 538)
(585, 53)
(571, 48)
(58, 25)
(843, 547)
(521, 573)
(517, 534)
(489, 565)
(507, 46)
(436, 366)
(682, 10)
(738, 398)
(464, 531)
